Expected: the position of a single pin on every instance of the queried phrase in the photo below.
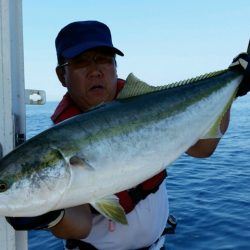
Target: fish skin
(114, 147)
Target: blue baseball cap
(78, 37)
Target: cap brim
(77, 50)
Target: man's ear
(60, 71)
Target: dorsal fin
(134, 86)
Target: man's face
(91, 78)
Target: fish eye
(3, 186)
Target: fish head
(32, 181)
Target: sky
(164, 41)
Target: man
(87, 68)
(89, 83)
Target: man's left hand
(242, 61)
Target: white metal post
(12, 107)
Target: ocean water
(210, 198)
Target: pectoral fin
(80, 162)
(111, 208)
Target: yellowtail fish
(88, 158)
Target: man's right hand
(44, 221)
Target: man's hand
(44, 221)
(242, 62)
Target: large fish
(115, 146)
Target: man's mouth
(96, 87)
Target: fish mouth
(39, 193)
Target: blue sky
(163, 41)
